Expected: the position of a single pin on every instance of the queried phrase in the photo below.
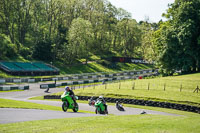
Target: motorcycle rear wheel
(106, 112)
(75, 109)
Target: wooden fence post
(181, 88)
(148, 86)
(197, 89)
(119, 85)
(133, 86)
(164, 86)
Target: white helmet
(100, 97)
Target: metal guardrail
(7, 88)
(32, 80)
(53, 85)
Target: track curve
(10, 115)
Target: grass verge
(187, 123)
(109, 124)
(7, 103)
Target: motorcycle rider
(119, 106)
(103, 101)
(91, 101)
(71, 93)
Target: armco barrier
(7, 88)
(44, 86)
(31, 80)
(182, 107)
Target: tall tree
(180, 46)
(81, 37)
(128, 36)
(147, 47)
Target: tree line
(67, 30)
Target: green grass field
(189, 123)
(157, 89)
(186, 123)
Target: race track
(11, 115)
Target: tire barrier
(168, 105)
(76, 77)
(7, 88)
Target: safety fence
(43, 86)
(7, 88)
(76, 76)
(156, 84)
(182, 107)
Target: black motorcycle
(119, 106)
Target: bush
(107, 63)
(7, 48)
(43, 51)
(25, 52)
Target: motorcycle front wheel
(96, 111)
(64, 106)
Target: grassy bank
(88, 68)
(96, 67)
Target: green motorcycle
(68, 102)
(100, 108)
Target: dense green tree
(147, 47)
(7, 48)
(43, 51)
(177, 39)
(52, 30)
(128, 36)
(81, 38)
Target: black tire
(122, 109)
(64, 106)
(96, 111)
(101, 112)
(75, 109)
(106, 112)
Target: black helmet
(67, 88)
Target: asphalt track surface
(11, 115)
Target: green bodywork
(100, 107)
(68, 102)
